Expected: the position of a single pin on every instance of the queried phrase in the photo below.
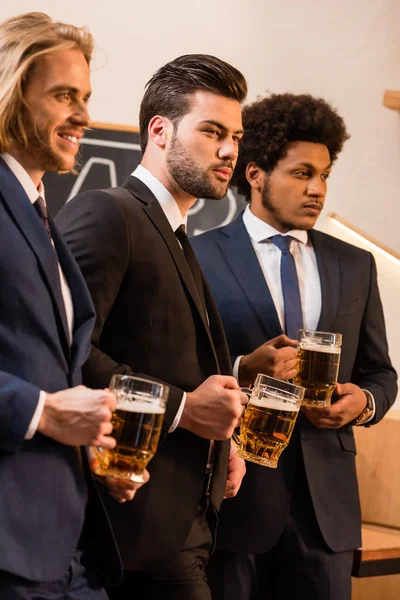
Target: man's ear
(255, 176)
(158, 130)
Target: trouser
(184, 577)
(299, 565)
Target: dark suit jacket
(150, 320)
(253, 521)
(43, 486)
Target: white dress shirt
(175, 219)
(33, 193)
(269, 257)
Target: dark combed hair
(271, 123)
(168, 93)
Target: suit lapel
(155, 213)
(36, 236)
(239, 253)
(329, 273)
(84, 313)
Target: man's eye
(62, 96)
(212, 132)
(325, 176)
(302, 173)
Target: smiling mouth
(72, 139)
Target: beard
(268, 204)
(191, 178)
(40, 150)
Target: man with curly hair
(295, 527)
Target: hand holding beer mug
(137, 423)
(318, 358)
(268, 420)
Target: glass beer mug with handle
(318, 358)
(137, 423)
(268, 420)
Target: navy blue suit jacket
(43, 485)
(254, 520)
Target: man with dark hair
(155, 315)
(55, 538)
(293, 530)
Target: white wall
(347, 51)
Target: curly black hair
(271, 123)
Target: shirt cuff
(178, 415)
(373, 404)
(33, 425)
(236, 367)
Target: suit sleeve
(373, 370)
(18, 401)
(96, 231)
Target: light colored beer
(317, 372)
(267, 425)
(136, 428)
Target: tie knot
(181, 233)
(282, 242)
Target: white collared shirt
(164, 197)
(175, 219)
(269, 257)
(33, 193)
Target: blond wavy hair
(24, 41)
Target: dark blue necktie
(290, 286)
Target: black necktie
(42, 212)
(191, 261)
(290, 286)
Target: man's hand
(276, 358)
(351, 403)
(79, 416)
(121, 490)
(236, 472)
(213, 410)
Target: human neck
(184, 201)
(28, 163)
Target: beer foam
(317, 348)
(140, 406)
(275, 402)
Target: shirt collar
(24, 179)
(259, 230)
(164, 197)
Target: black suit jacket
(149, 320)
(254, 520)
(44, 489)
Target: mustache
(228, 165)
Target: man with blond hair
(53, 533)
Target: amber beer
(268, 421)
(318, 359)
(137, 423)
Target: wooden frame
(114, 127)
(366, 236)
(391, 99)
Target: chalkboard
(106, 158)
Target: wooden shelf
(380, 552)
(391, 99)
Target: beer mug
(136, 423)
(318, 357)
(268, 420)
